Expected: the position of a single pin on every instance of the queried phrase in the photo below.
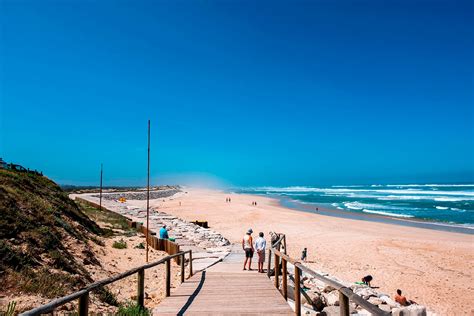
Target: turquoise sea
(444, 203)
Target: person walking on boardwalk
(260, 245)
(247, 246)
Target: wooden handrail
(345, 293)
(83, 293)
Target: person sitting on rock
(247, 246)
(367, 279)
(402, 300)
(164, 232)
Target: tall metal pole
(148, 195)
(100, 191)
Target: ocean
(443, 203)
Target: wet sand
(434, 268)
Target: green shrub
(132, 309)
(121, 244)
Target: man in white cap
(247, 246)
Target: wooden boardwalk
(225, 289)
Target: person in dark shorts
(304, 254)
(247, 246)
(367, 279)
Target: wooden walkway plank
(225, 289)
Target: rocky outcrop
(321, 299)
(139, 195)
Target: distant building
(3, 164)
(15, 167)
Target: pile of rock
(202, 237)
(321, 299)
(139, 195)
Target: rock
(330, 311)
(307, 284)
(308, 310)
(366, 292)
(387, 300)
(328, 289)
(385, 307)
(318, 301)
(412, 310)
(332, 298)
(375, 301)
(363, 312)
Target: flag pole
(100, 191)
(148, 195)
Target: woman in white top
(247, 246)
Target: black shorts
(248, 253)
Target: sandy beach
(434, 268)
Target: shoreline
(287, 202)
(433, 267)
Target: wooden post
(148, 193)
(141, 288)
(269, 262)
(100, 191)
(297, 292)
(182, 268)
(284, 244)
(84, 305)
(343, 304)
(284, 279)
(277, 271)
(190, 264)
(168, 277)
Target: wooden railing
(281, 261)
(83, 294)
(154, 242)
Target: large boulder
(387, 300)
(365, 291)
(328, 289)
(334, 311)
(332, 298)
(317, 300)
(375, 301)
(412, 310)
(331, 311)
(385, 307)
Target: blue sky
(243, 93)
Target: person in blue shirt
(164, 232)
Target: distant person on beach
(260, 246)
(367, 279)
(247, 246)
(402, 300)
(164, 232)
(304, 254)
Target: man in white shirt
(260, 245)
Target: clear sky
(274, 93)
